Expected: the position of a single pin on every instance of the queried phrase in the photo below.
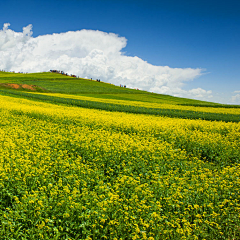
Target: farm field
(57, 83)
(117, 169)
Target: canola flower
(77, 173)
(141, 107)
(146, 104)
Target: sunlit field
(74, 172)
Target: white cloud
(236, 98)
(92, 54)
(197, 93)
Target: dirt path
(22, 86)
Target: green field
(58, 83)
(88, 160)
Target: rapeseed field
(68, 172)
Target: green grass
(62, 84)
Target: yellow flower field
(78, 173)
(146, 104)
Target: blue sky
(179, 34)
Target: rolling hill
(81, 159)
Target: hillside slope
(81, 159)
(59, 83)
(60, 89)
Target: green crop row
(128, 108)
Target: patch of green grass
(59, 83)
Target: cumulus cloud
(92, 54)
